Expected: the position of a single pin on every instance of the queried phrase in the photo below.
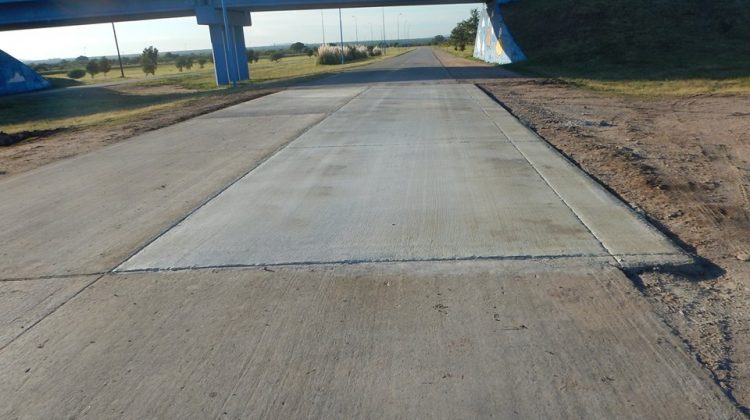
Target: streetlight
(385, 49)
(398, 28)
(356, 30)
(341, 33)
(323, 26)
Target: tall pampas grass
(330, 55)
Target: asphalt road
(387, 242)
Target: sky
(268, 28)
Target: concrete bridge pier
(494, 43)
(229, 52)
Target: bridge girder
(29, 14)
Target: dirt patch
(686, 163)
(154, 90)
(33, 149)
(7, 139)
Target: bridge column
(230, 55)
(494, 43)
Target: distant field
(131, 73)
(266, 70)
(140, 96)
(203, 79)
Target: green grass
(636, 47)
(468, 53)
(92, 106)
(266, 70)
(131, 73)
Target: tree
(277, 56)
(297, 47)
(105, 65)
(310, 52)
(76, 73)
(438, 39)
(92, 68)
(202, 61)
(465, 31)
(180, 63)
(40, 67)
(189, 63)
(252, 55)
(148, 60)
(81, 59)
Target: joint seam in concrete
(370, 261)
(609, 251)
(52, 277)
(615, 255)
(35, 323)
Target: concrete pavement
(388, 242)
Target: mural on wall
(16, 77)
(494, 43)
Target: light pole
(341, 33)
(356, 30)
(398, 28)
(384, 46)
(323, 26)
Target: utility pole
(372, 37)
(119, 58)
(341, 33)
(323, 25)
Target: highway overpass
(227, 18)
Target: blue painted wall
(16, 77)
(494, 43)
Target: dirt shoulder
(685, 162)
(45, 146)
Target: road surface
(387, 242)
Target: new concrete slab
(426, 201)
(521, 339)
(399, 173)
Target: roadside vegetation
(639, 47)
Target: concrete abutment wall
(494, 43)
(16, 77)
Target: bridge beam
(494, 43)
(229, 52)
